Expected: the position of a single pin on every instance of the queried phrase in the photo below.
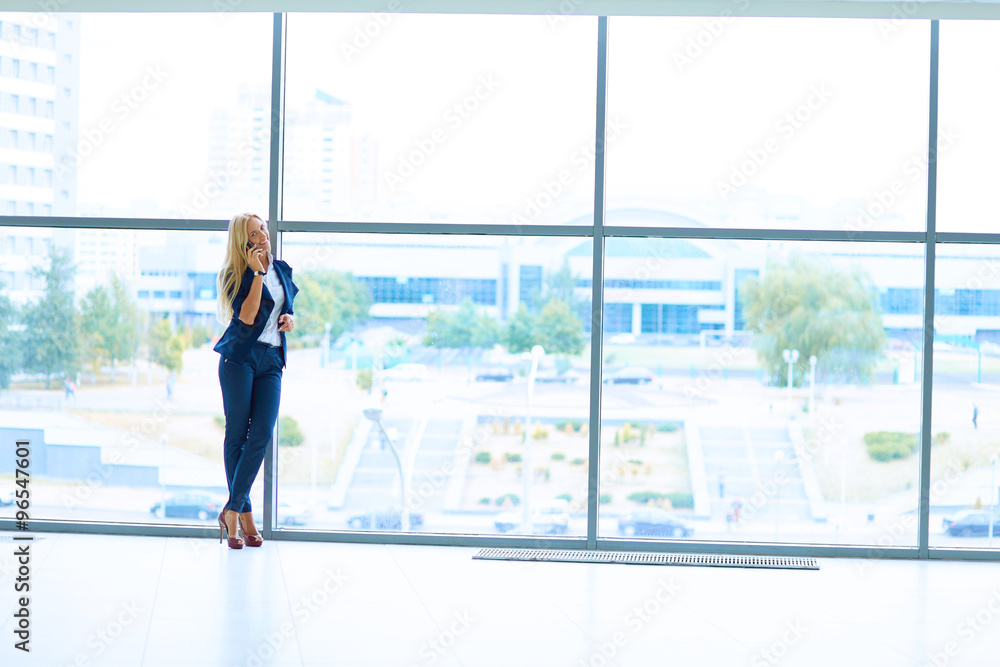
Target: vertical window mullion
(274, 219)
(597, 300)
(927, 367)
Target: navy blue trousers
(251, 392)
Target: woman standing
(255, 300)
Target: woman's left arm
(295, 289)
(286, 321)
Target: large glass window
(797, 423)
(438, 118)
(413, 328)
(964, 451)
(776, 123)
(162, 132)
(753, 390)
(968, 137)
(115, 385)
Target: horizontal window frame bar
(759, 8)
(763, 549)
(965, 237)
(115, 223)
(873, 552)
(943, 553)
(767, 234)
(583, 231)
(487, 229)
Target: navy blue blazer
(239, 338)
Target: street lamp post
(993, 493)
(843, 485)
(375, 415)
(812, 385)
(537, 352)
(979, 362)
(790, 357)
(163, 474)
(325, 356)
(779, 457)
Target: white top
(270, 334)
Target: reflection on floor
(150, 602)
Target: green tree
(289, 432)
(560, 285)
(467, 327)
(817, 309)
(520, 333)
(109, 320)
(329, 296)
(51, 336)
(10, 360)
(198, 335)
(558, 330)
(166, 347)
(485, 329)
(548, 318)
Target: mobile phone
(249, 244)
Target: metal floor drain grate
(649, 558)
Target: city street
(743, 426)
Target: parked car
(407, 372)
(630, 375)
(654, 521)
(549, 518)
(968, 523)
(201, 506)
(289, 514)
(989, 348)
(495, 374)
(552, 375)
(387, 518)
(622, 339)
(292, 514)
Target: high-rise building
(239, 137)
(99, 254)
(176, 279)
(331, 167)
(39, 89)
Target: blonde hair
(228, 281)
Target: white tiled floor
(152, 602)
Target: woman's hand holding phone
(254, 255)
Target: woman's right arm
(248, 312)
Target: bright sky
(157, 151)
(691, 101)
(712, 96)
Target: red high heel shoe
(254, 540)
(234, 542)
